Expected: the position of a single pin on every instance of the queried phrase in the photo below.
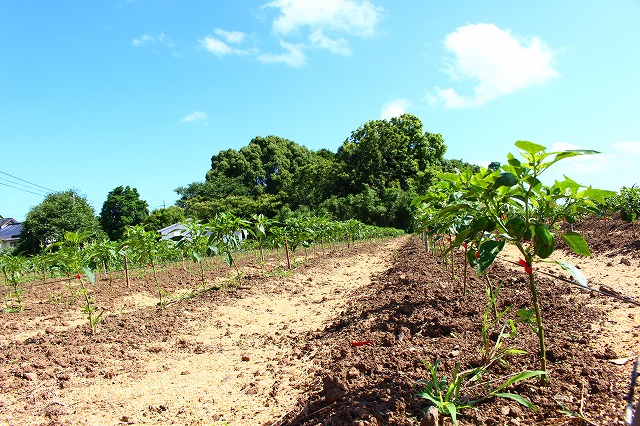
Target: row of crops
(477, 214)
(76, 259)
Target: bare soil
(341, 340)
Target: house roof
(10, 232)
(7, 221)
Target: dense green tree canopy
(47, 222)
(382, 153)
(122, 208)
(372, 177)
(163, 217)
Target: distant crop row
(76, 260)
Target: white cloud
(161, 39)
(294, 55)
(627, 147)
(220, 48)
(194, 116)
(394, 108)
(215, 46)
(352, 16)
(339, 46)
(498, 60)
(233, 37)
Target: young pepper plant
(512, 197)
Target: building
(10, 230)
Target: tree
(163, 217)
(386, 152)
(122, 208)
(60, 212)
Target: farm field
(280, 349)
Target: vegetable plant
(628, 204)
(446, 395)
(13, 268)
(145, 245)
(89, 308)
(510, 203)
(194, 243)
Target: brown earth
(280, 350)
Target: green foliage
(383, 152)
(447, 395)
(13, 268)
(60, 212)
(513, 200)
(122, 208)
(163, 217)
(372, 177)
(627, 202)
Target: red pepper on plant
(78, 276)
(527, 266)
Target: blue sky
(97, 94)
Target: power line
(26, 181)
(21, 189)
(28, 188)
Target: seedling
(446, 395)
(89, 308)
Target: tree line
(372, 177)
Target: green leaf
(577, 243)
(89, 273)
(598, 195)
(519, 399)
(577, 274)
(451, 408)
(505, 179)
(525, 375)
(488, 251)
(530, 147)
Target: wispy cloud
(146, 39)
(298, 26)
(151, 41)
(338, 46)
(319, 24)
(195, 116)
(294, 55)
(224, 43)
(394, 108)
(234, 37)
(350, 16)
(627, 147)
(498, 60)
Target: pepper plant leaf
(530, 147)
(89, 273)
(577, 274)
(488, 251)
(505, 179)
(577, 243)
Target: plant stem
(544, 379)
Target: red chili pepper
(477, 254)
(527, 267)
(148, 264)
(464, 244)
(78, 276)
(362, 343)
